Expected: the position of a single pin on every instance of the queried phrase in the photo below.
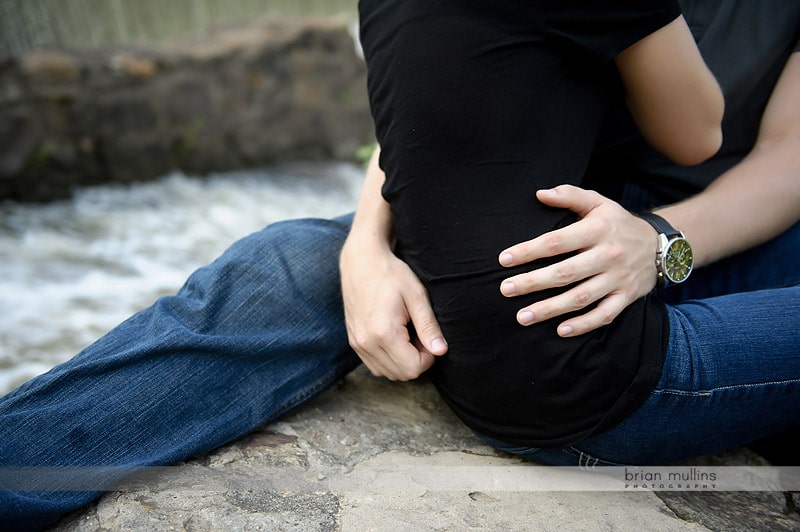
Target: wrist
(365, 247)
(674, 259)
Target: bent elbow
(702, 149)
(697, 150)
(694, 135)
(713, 145)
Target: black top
(477, 105)
(746, 44)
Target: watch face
(678, 260)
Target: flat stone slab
(375, 455)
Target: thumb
(427, 327)
(576, 199)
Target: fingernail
(506, 259)
(507, 288)
(549, 192)
(525, 317)
(438, 344)
(565, 330)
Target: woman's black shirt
(477, 105)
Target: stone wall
(243, 97)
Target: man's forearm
(750, 204)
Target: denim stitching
(311, 390)
(587, 461)
(789, 381)
(682, 393)
(707, 393)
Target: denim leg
(731, 375)
(247, 338)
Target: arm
(382, 296)
(760, 197)
(754, 201)
(672, 95)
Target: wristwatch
(674, 257)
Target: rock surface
(375, 455)
(243, 97)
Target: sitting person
(265, 327)
(706, 366)
(512, 101)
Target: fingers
(547, 245)
(405, 357)
(603, 314)
(578, 236)
(380, 312)
(388, 350)
(577, 298)
(425, 324)
(405, 361)
(574, 237)
(556, 275)
(609, 307)
(576, 199)
(608, 263)
(566, 240)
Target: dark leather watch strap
(660, 224)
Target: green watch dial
(678, 260)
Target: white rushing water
(72, 270)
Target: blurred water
(25, 24)
(72, 270)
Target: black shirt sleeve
(604, 29)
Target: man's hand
(614, 263)
(382, 298)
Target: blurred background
(140, 138)
(26, 24)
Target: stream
(72, 270)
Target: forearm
(753, 202)
(372, 225)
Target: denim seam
(298, 398)
(682, 393)
(769, 383)
(310, 391)
(706, 393)
(586, 461)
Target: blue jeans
(261, 330)
(249, 337)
